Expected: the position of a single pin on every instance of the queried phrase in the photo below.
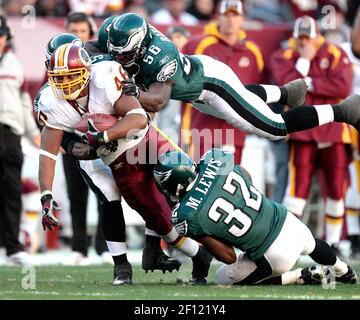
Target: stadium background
(29, 42)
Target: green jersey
(224, 204)
(162, 61)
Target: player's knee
(295, 205)
(222, 276)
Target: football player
(100, 180)
(78, 89)
(217, 204)
(211, 86)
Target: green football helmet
(103, 33)
(128, 37)
(173, 173)
(58, 40)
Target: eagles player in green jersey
(216, 203)
(162, 72)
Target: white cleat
(106, 258)
(20, 258)
(76, 259)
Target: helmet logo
(134, 41)
(162, 176)
(85, 59)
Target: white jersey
(104, 91)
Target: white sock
(292, 277)
(150, 232)
(273, 93)
(116, 248)
(333, 229)
(340, 267)
(185, 245)
(325, 113)
(353, 222)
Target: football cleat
(20, 258)
(201, 265)
(122, 274)
(154, 258)
(349, 277)
(296, 92)
(312, 275)
(351, 110)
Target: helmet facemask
(125, 58)
(77, 80)
(69, 71)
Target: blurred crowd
(183, 11)
(314, 52)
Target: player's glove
(92, 137)
(105, 149)
(49, 209)
(130, 88)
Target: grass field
(74, 283)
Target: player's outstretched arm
(218, 249)
(50, 145)
(157, 97)
(133, 118)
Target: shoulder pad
(104, 72)
(47, 101)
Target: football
(101, 122)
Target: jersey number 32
(222, 206)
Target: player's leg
(292, 94)
(100, 245)
(278, 259)
(238, 272)
(334, 161)
(10, 199)
(77, 191)
(200, 257)
(31, 215)
(231, 101)
(138, 188)
(296, 239)
(141, 194)
(101, 182)
(302, 159)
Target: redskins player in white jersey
(78, 89)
